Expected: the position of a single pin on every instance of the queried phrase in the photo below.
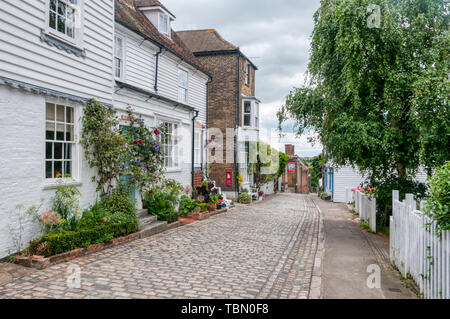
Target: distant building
(297, 176)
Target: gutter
(193, 149)
(156, 68)
(207, 122)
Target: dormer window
(163, 24)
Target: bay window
(247, 113)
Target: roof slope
(127, 14)
(151, 3)
(207, 40)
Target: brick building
(297, 176)
(231, 105)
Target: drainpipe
(238, 102)
(193, 149)
(156, 68)
(207, 122)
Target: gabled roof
(205, 41)
(151, 3)
(128, 15)
(208, 41)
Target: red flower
(140, 141)
(135, 142)
(156, 131)
(150, 191)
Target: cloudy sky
(275, 35)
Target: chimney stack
(289, 149)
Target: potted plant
(260, 195)
(213, 201)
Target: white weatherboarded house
(54, 56)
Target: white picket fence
(416, 249)
(365, 206)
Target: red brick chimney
(289, 149)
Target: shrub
(187, 205)
(244, 198)
(119, 201)
(438, 202)
(118, 225)
(203, 207)
(163, 202)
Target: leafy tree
(438, 202)
(316, 166)
(378, 96)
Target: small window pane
(52, 22)
(61, 24)
(70, 32)
(58, 170)
(60, 113)
(50, 112)
(69, 115)
(68, 168)
(50, 131)
(48, 150)
(60, 132)
(53, 5)
(70, 14)
(247, 107)
(48, 170)
(69, 133)
(247, 120)
(61, 8)
(67, 151)
(58, 150)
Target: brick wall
(222, 99)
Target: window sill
(61, 44)
(54, 185)
(173, 170)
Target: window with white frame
(170, 145)
(247, 113)
(247, 74)
(118, 57)
(182, 86)
(256, 115)
(198, 147)
(62, 15)
(59, 140)
(163, 24)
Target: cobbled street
(266, 250)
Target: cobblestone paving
(265, 250)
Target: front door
(125, 179)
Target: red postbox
(229, 177)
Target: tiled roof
(127, 14)
(205, 41)
(150, 3)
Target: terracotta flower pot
(212, 207)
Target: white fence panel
(417, 250)
(366, 207)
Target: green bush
(119, 224)
(438, 202)
(162, 203)
(203, 207)
(119, 201)
(187, 205)
(244, 198)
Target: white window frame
(77, 39)
(183, 87)
(198, 138)
(247, 74)
(246, 113)
(122, 58)
(75, 178)
(161, 23)
(256, 115)
(171, 148)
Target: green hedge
(58, 243)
